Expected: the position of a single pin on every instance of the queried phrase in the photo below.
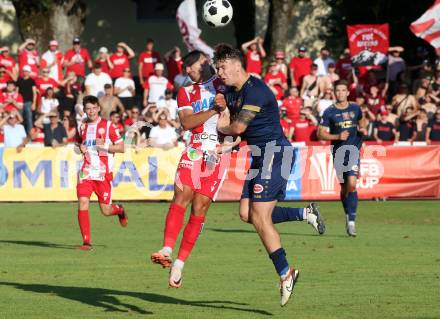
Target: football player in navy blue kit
(255, 118)
(339, 124)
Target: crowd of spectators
(40, 95)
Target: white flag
(427, 26)
(187, 20)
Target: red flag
(427, 26)
(368, 43)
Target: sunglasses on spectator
(127, 71)
(135, 112)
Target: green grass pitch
(391, 270)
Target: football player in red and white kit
(199, 173)
(99, 139)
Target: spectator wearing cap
(299, 67)
(147, 61)
(53, 60)
(433, 129)
(155, 86)
(327, 81)
(169, 104)
(14, 133)
(110, 103)
(96, 80)
(305, 127)
(9, 63)
(276, 81)
(125, 89)
(344, 66)
(396, 67)
(254, 54)
(49, 103)
(28, 90)
(11, 100)
(55, 134)
(292, 104)
(163, 136)
(28, 55)
(76, 59)
(280, 59)
(174, 62)
(406, 132)
(104, 59)
(44, 81)
(384, 131)
(323, 61)
(120, 60)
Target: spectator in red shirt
(299, 67)
(147, 61)
(292, 103)
(11, 100)
(104, 59)
(4, 78)
(45, 81)
(53, 59)
(132, 118)
(9, 64)
(115, 118)
(254, 52)
(28, 55)
(344, 66)
(375, 102)
(76, 59)
(174, 63)
(120, 60)
(279, 58)
(286, 124)
(276, 81)
(305, 127)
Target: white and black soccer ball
(217, 13)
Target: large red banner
(368, 43)
(385, 172)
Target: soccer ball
(217, 13)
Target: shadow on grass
(106, 298)
(44, 244)
(222, 230)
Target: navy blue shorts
(271, 176)
(347, 164)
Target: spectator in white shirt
(168, 103)
(125, 89)
(49, 103)
(14, 132)
(163, 136)
(96, 80)
(155, 86)
(323, 61)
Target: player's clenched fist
(343, 136)
(219, 102)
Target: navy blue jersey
(256, 96)
(338, 120)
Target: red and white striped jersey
(98, 165)
(199, 97)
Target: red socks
(173, 224)
(116, 210)
(84, 225)
(190, 235)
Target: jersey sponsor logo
(202, 105)
(204, 136)
(258, 189)
(186, 164)
(345, 124)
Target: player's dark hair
(90, 99)
(341, 82)
(191, 58)
(224, 51)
